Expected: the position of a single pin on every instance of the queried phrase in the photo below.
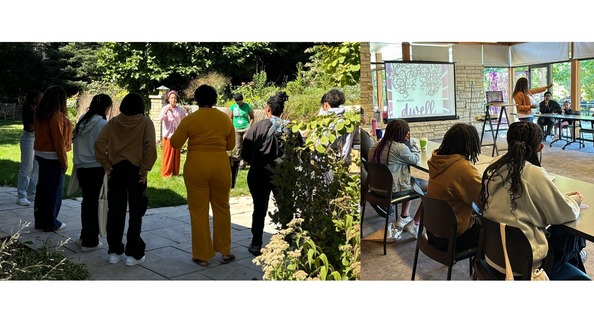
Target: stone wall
(365, 82)
(157, 103)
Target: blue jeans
(526, 119)
(48, 196)
(29, 169)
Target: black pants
(48, 194)
(259, 182)
(545, 122)
(466, 240)
(124, 191)
(90, 181)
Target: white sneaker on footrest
(411, 228)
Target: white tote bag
(73, 185)
(103, 207)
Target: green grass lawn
(161, 192)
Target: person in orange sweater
(127, 150)
(525, 103)
(53, 139)
(453, 178)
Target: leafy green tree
(22, 69)
(335, 64)
(141, 67)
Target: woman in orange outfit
(171, 115)
(207, 175)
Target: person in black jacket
(548, 106)
(262, 147)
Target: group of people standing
(124, 148)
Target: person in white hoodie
(89, 171)
(518, 192)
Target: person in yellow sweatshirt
(127, 150)
(207, 175)
(454, 179)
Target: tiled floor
(166, 232)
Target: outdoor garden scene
(317, 204)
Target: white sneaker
(88, 249)
(23, 201)
(63, 226)
(401, 222)
(115, 258)
(393, 232)
(131, 261)
(411, 228)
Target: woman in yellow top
(524, 100)
(207, 175)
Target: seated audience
(398, 150)
(453, 178)
(518, 192)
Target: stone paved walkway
(166, 232)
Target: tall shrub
(317, 208)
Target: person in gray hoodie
(89, 171)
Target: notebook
(494, 96)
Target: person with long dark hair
(207, 175)
(29, 168)
(53, 139)
(262, 152)
(525, 102)
(453, 178)
(517, 191)
(88, 171)
(398, 150)
(127, 150)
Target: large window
(497, 78)
(561, 73)
(587, 85)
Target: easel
(488, 119)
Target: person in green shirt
(242, 116)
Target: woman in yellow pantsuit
(207, 175)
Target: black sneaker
(255, 250)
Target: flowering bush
(317, 202)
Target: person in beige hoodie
(453, 178)
(127, 150)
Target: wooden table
(584, 226)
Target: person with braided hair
(453, 178)
(398, 150)
(517, 191)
